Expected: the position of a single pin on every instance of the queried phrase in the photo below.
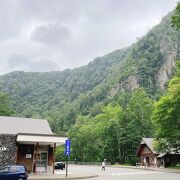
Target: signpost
(67, 153)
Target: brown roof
(149, 143)
(15, 125)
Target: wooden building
(28, 142)
(150, 158)
(146, 153)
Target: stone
(8, 149)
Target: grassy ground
(175, 167)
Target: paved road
(113, 173)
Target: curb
(60, 177)
(151, 169)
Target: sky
(51, 35)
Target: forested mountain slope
(61, 96)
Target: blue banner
(67, 147)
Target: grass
(175, 167)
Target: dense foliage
(176, 17)
(114, 133)
(58, 96)
(166, 116)
(5, 107)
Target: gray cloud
(51, 33)
(17, 61)
(45, 35)
(45, 65)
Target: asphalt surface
(112, 173)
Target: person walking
(103, 166)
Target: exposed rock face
(131, 83)
(169, 52)
(7, 149)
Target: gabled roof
(149, 143)
(14, 125)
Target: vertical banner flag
(67, 147)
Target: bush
(132, 161)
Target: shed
(146, 152)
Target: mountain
(61, 96)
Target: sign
(67, 153)
(67, 147)
(3, 148)
(28, 156)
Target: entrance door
(147, 161)
(42, 160)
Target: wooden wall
(25, 156)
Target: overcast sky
(48, 35)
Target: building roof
(149, 143)
(40, 139)
(14, 125)
(161, 155)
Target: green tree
(166, 116)
(96, 138)
(114, 133)
(136, 124)
(60, 154)
(140, 109)
(110, 125)
(5, 109)
(176, 17)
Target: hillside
(61, 96)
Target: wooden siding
(25, 150)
